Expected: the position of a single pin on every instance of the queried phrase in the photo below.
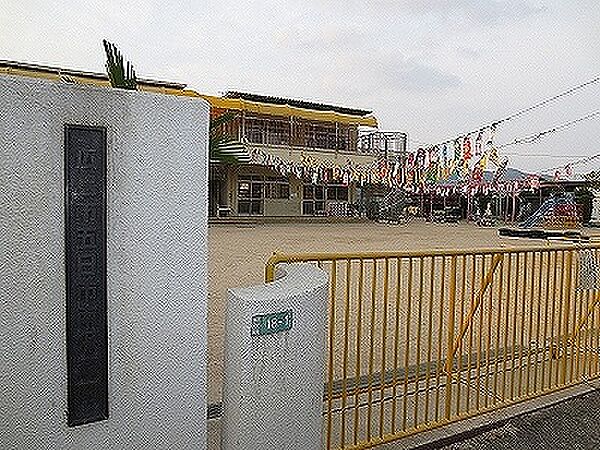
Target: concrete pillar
(156, 254)
(274, 362)
(595, 216)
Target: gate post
(275, 361)
(103, 266)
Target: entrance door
(251, 195)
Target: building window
(254, 131)
(250, 195)
(313, 200)
(254, 189)
(337, 193)
(267, 131)
(277, 188)
(278, 132)
(315, 197)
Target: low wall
(283, 207)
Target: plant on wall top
(221, 147)
(120, 76)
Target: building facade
(296, 158)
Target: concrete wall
(156, 226)
(273, 384)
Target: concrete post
(156, 253)
(275, 361)
(595, 217)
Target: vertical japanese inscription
(85, 255)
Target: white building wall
(156, 264)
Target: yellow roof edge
(84, 79)
(285, 110)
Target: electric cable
(537, 136)
(578, 162)
(523, 111)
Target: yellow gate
(421, 339)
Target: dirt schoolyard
(237, 256)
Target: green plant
(220, 143)
(221, 146)
(120, 76)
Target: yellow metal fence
(418, 340)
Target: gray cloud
(480, 10)
(347, 57)
(414, 62)
(468, 53)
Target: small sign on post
(266, 324)
(275, 349)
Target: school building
(296, 158)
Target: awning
(237, 150)
(238, 104)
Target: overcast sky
(432, 68)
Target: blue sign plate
(266, 324)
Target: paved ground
(566, 420)
(237, 257)
(572, 424)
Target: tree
(120, 76)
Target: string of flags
(319, 171)
(453, 166)
(567, 171)
(563, 172)
(460, 163)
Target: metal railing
(421, 339)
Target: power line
(537, 136)
(414, 141)
(530, 108)
(551, 99)
(577, 162)
(542, 155)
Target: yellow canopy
(238, 104)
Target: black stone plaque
(85, 254)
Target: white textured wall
(157, 248)
(273, 385)
(595, 216)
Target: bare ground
(237, 256)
